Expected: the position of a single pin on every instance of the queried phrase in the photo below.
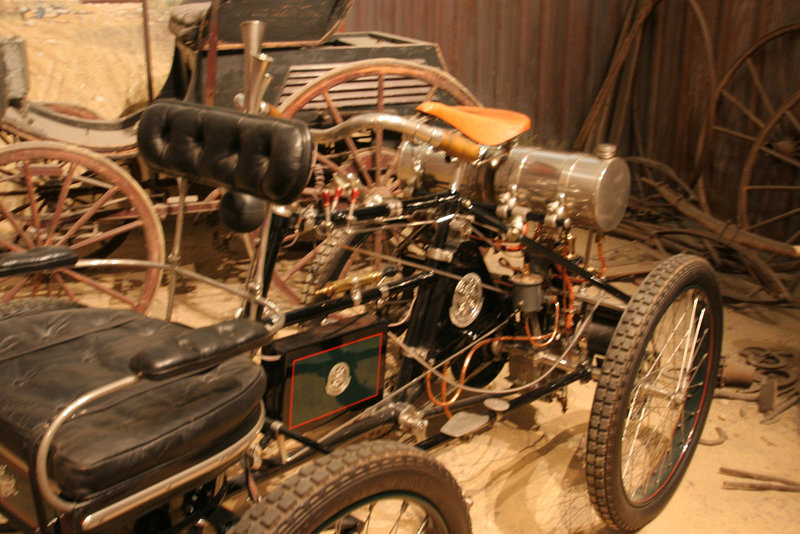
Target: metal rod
(147, 54)
(211, 63)
(174, 258)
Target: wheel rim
(51, 194)
(389, 512)
(667, 396)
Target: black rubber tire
(334, 484)
(629, 391)
(329, 260)
(31, 305)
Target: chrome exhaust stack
(256, 63)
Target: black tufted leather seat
(132, 438)
(263, 156)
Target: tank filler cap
(605, 150)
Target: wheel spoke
(100, 287)
(11, 293)
(337, 116)
(734, 133)
(32, 200)
(773, 220)
(10, 246)
(691, 343)
(105, 197)
(63, 284)
(16, 224)
(403, 509)
(744, 109)
(281, 285)
(751, 68)
(62, 199)
(379, 132)
(431, 93)
(778, 155)
(391, 170)
(108, 234)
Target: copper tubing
(445, 403)
(603, 266)
(569, 297)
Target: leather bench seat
(128, 439)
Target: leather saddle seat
(129, 439)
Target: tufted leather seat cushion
(264, 156)
(131, 438)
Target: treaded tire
(638, 381)
(28, 306)
(333, 485)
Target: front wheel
(654, 392)
(377, 486)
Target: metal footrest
(464, 423)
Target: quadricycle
(460, 300)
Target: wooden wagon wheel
(769, 190)
(365, 159)
(752, 128)
(57, 194)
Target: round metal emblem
(467, 300)
(338, 379)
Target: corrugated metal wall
(548, 58)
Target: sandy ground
(526, 473)
(90, 54)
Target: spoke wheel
(371, 487)
(753, 134)
(56, 194)
(654, 392)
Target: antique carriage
(317, 75)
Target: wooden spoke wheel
(57, 194)
(753, 137)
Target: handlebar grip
(460, 147)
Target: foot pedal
(463, 423)
(498, 406)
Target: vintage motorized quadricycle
(284, 53)
(477, 303)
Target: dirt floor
(525, 474)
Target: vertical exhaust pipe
(256, 63)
